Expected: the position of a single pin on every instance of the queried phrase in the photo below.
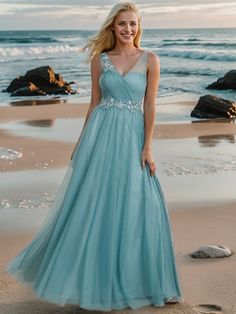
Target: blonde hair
(106, 39)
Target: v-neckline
(124, 75)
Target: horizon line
(94, 30)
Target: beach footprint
(208, 309)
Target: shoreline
(59, 151)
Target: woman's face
(126, 26)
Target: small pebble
(212, 251)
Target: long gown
(106, 242)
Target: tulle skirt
(106, 242)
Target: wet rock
(39, 81)
(212, 251)
(211, 106)
(29, 90)
(226, 82)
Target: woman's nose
(127, 28)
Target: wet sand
(196, 167)
(37, 151)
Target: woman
(107, 242)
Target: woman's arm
(95, 88)
(153, 76)
(95, 91)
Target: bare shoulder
(153, 62)
(153, 59)
(96, 64)
(95, 60)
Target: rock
(39, 81)
(211, 106)
(17, 83)
(29, 90)
(226, 82)
(212, 251)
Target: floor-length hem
(136, 303)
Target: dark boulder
(28, 90)
(211, 106)
(226, 82)
(39, 81)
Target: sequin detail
(133, 106)
(105, 62)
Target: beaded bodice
(123, 91)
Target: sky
(89, 14)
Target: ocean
(190, 59)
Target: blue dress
(106, 243)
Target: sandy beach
(195, 164)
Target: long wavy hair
(105, 39)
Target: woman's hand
(147, 157)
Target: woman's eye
(131, 24)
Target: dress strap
(141, 64)
(105, 62)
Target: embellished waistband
(109, 102)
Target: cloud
(73, 7)
(89, 12)
(33, 9)
(170, 9)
